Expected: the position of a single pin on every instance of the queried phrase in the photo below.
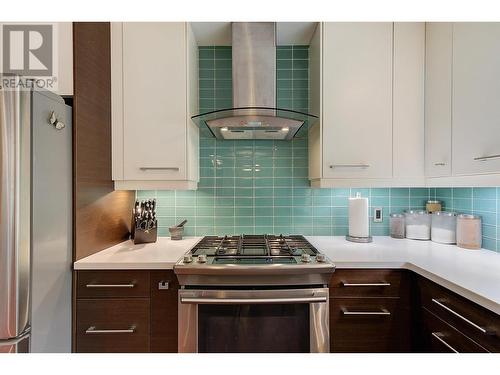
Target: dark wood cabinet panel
(112, 325)
(101, 214)
(95, 284)
(440, 337)
(369, 283)
(164, 312)
(368, 325)
(474, 321)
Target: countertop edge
(123, 266)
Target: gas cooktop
(254, 246)
(238, 259)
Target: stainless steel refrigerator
(35, 219)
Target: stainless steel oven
(254, 320)
(254, 294)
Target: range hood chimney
(254, 114)
(254, 64)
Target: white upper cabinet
(357, 100)
(438, 83)
(476, 98)
(65, 58)
(367, 79)
(462, 115)
(154, 95)
(408, 104)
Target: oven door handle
(236, 301)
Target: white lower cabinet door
(357, 100)
(154, 101)
(476, 98)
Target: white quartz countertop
(474, 274)
(162, 254)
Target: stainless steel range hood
(254, 114)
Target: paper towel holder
(359, 239)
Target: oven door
(254, 321)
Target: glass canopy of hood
(254, 123)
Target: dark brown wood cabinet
(440, 337)
(164, 288)
(113, 325)
(126, 311)
(477, 324)
(370, 311)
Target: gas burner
(237, 260)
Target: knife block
(139, 235)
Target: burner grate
(254, 245)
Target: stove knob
(188, 258)
(320, 258)
(306, 258)
(202, 258)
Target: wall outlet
(377, 215)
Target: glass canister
(418, 225)
(397, 225)
(443, 227)
(469, 233)
(433, 206)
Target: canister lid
(416, 212)
(433, 202)
(396, 215)
(469, 216)
(444, 213)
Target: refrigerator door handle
(17, 339)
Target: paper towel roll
(358, 217)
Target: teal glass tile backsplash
(257, 187)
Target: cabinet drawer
(366, 283)
(361, 325)
(481, 325)
(164, 312)
(95, 284)
(440, 337)
(112, 325)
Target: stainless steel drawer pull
(159, 168)
(383, 283)
(131, 285)
(486, 158)
(349, 166)
(92, 330)
(381, 312)
(479, 328)
(439, 336)
(235, 301)
(440, 164)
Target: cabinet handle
(92, 330)
(440, 164)
(131, 285)
(159, 169)
(349, 166)
(479, 328)
(439, 337)
(381, 312)
(486, 158)
(383, 283)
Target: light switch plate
(377, 215)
